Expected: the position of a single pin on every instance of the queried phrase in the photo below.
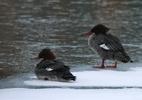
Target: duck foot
(110, 66)
(98, 66)
(101, 66)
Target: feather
(104, 46)
(49, 69)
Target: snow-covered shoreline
(100, 78)
(100, 84)
(70, 94)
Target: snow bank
(100, 78)
(70, 94)
(103, 84)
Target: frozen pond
(100, 84)
(27, 26)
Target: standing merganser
(107, 46)
(52, 69)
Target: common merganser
(52, 69)
(107, 46)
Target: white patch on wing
(104, 46)
(49, 69)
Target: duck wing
(111, 43)
(50, 65)
(56, 64)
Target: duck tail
(131, 61)
(69, 76)
(127, 59)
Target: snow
(99, 84)
(99, 78)
(70, 94)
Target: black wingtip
(131, 61)
(74, 78)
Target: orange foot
(110, 66)
(98, 66)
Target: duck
(107, 46)
(52, 69)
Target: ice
(99, 84)
(99, 78)
(70, 94)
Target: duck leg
(102, 65)
(112, 66)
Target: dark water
(27, 26)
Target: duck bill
(88, 33)
(36, 58)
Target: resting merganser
(52, 69)
(107, 46)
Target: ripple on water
(29, 26)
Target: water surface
(27, 26)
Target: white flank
(104, 46)
(49, 69)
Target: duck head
(45, 54)
(98, 29)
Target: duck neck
(90, 39)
